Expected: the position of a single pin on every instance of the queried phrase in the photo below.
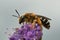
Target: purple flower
(12, 38)
(26, 33)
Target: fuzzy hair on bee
(30, 17)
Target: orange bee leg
(39, 22)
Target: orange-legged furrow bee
(31, 18)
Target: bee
(34, 18)
(30, 17)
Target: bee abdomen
(45, 23)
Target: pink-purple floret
(25, 33)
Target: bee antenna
(15, 16)
(17, 12)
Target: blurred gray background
(48, 8)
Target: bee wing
(43, 17)
(45, 21)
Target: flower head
(26, 33)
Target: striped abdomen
(45, 22)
